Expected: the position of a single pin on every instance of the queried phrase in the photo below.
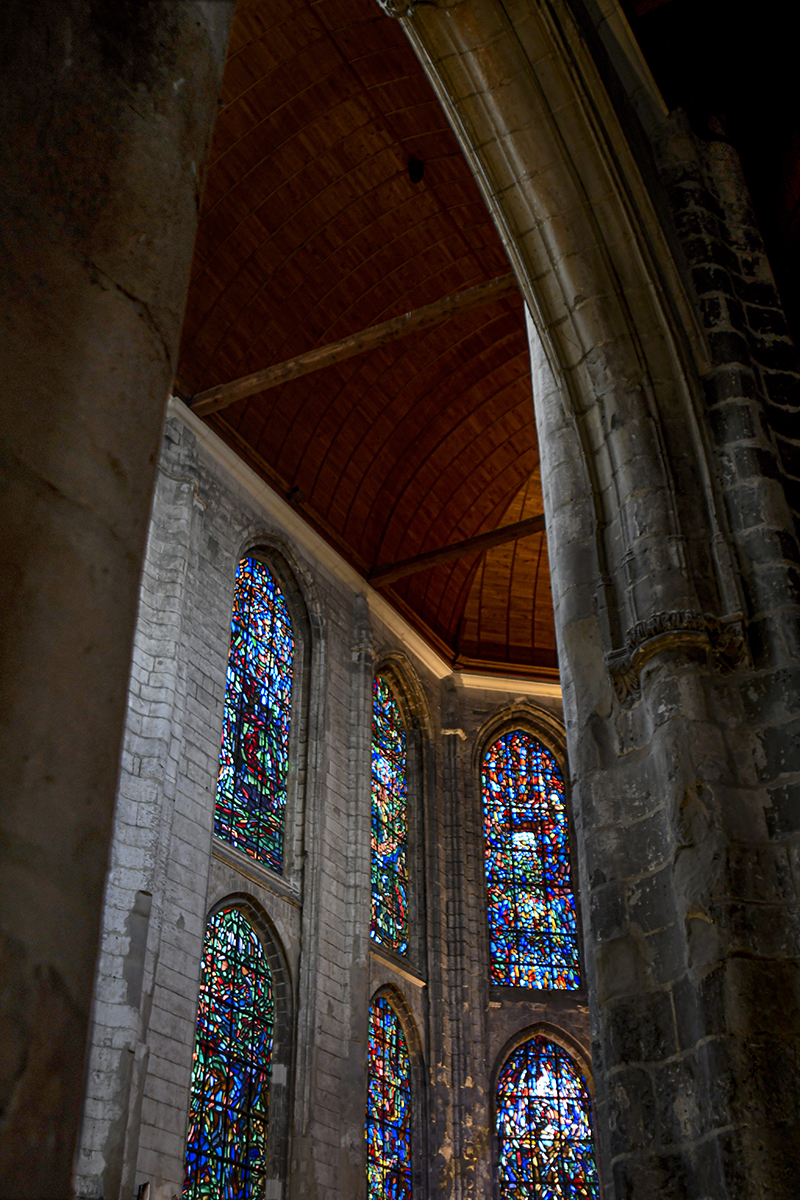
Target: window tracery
(226, 1153)
(254, 758)
(389, 1114)
(531, 902)
(389, 870)
(544, 1126)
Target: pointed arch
(227, 1149)
(531, 902)
(389, 924)
(264, 714)
(389, 1124)
(543, 1124)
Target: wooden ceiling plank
(383, 576)
(217, 398)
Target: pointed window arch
(531, 902)
(254, 759)
(544, 1126)
(226, 1152)
(389, 1114)
(389, 925)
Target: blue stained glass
(229, 1104)
(389, 924)
(254, 759)
(544, 1127)
(531, 903)
(388, 1124)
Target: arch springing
(389, 925)
(388, 1123)
(544, 1126)
(254, 759)
(226, 1152)
(531, 902)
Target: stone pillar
(107, 111)
(679, 666)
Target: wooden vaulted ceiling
(311, 229)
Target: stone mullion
(358, 890)
(457, 1183)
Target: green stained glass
(229, 1104)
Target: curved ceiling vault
(311, 230)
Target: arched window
(226, 1152)
(388, 1122)
(544, 1126)
(254, 760)
(532, 919)
(389, 822)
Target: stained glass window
(544, 1127)
(388, 1106)
(229, 1105)
(389, 822)
(532, 919)
(253, 762)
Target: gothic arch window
(226, 1152)
(544, 1126)
(389, 1106)
(254, 758)
(389, 872)
(531, 902)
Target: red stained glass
(531, 903)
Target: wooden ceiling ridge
(383, 576)
(217, 398)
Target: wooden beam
(383, 576)
(224, 394)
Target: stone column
(106, 111)
(681, 716)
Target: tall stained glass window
(389, 822)
(544, 1127)
(388, 1106)
(229, 1104)
(532, 919)
(253, 762)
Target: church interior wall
(169, 871)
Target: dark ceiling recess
(311, 231)
(732, 66)
(416, 169)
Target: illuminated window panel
(389, 924)
(544, 1127)
(531, 903)
(229, 1104)
(254, 759)
(388, 1124)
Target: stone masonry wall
(168, 871)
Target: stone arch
(299, 593)
(577, 1054)
(419, 1139)
(616, 331)
(545, 728)
(283, 1042)
(554, 1033)
(396, 668)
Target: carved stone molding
(397, 8)
(683, 629)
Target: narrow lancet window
(532, 919)
(254, 760)
(226, 1153)
(544, 1127)
(389, 822)
(388, 1123)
